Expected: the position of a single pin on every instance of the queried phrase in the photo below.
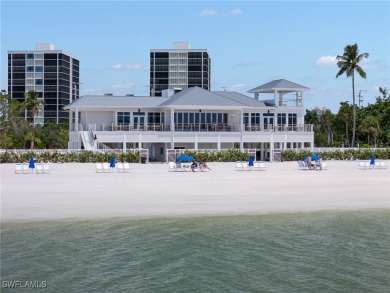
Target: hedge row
(348, 154)
(231, 155)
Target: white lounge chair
(38, 168)
(382, 165)
(362, 165)
(324, 166)
(262, 167)
(106, 167)
(302, 165)
(99, 168)
(256, 166)
(119, 167)
(18, 168)
(126, 167)
(239, 166)
(245, 166)
(171, 166)
(25, 168)
(46, 168)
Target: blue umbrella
(31, 165)
(372, 162)
(185, 159)
(315, 157)
(112, 162)
(251, 159)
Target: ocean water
(300, 252)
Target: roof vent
(108, 94)
(129, 95)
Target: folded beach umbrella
(112, 162)
(31, 165)
(250, 163)
(372, 161)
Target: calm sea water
(302, 252)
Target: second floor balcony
(201, 127)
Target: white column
(196, 142)
(124, 143)
(172, 128)
(276, 97)
(76, 120)
(70, 120)
(219, 142)
(139, 141)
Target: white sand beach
(75, 190)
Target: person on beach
(193, 166)
(204, 166)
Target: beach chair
(256, 166)
(119, 167)
(46, 168)
(239, 166)
(26, 169)
(245, 166)
(362, 165)
(324, 166)
(179, 167)
(38, 168)
(106, 167)
(18, 168)
(262, 167)
(302, 165)
(99, 168)
(126, 167)
(171, 167)
(382, 165)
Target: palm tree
(371, 127)
(348, 63)
(326, 120)
(33, 138)
(32, 104)
(344, 115)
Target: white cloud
(212, 12)
(127, 66)
(123, 85)
(326, 61)
(208, 12)
(234, 12)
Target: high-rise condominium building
(53, 74)
(179, 68)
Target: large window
(123, 117)
(201, 118)
(154, 118)
(292, 119)
(281, 119)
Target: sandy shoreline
(76, 191)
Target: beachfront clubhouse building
(194, 119)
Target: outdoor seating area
(30, 168)
(250, 166)
(112, 167)
(367, 164)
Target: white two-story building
(194, 119)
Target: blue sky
(250, 42)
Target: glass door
(268, 122)
(139, 120)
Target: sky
(250, 42)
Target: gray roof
(281, 85)
(188, 98)
(116, 102)
(245, 100)
(196, 96)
